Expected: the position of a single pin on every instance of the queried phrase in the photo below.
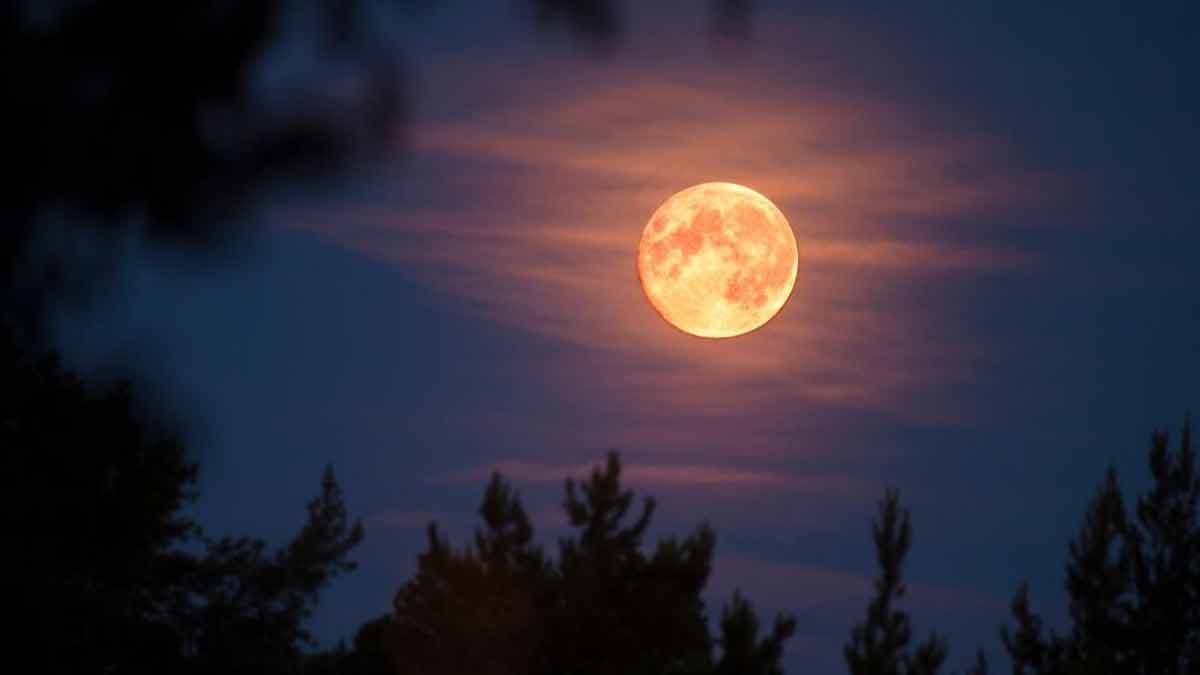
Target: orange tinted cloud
(730, 494)
(636, 474)
(526, 204)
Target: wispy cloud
(526, 202)
(724, 494)
(646, 474)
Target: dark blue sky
(996, 206)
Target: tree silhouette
(742, 652)
(593, 20)
(1133, 585)
(473, 610)
(1165, 553)
(980, 667)
(134, 118)
(91, 514)
(1030, 651)
(622, 610)
(879, 644)
(102, 563)
(604, 605)
(249, 607)
(600, 22)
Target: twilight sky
(996, 210)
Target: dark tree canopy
(619, 608)
(605, 604)
(91, 515)
(880, 644)
(601, 22)
(1133, 582)
(107, 572)
(137, 117)
(134, 118)
(595, 20)
(742, 651)
(249, 606)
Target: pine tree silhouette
(879, 644)
(133, 117)
(742, 652)
(1030, 651)
(980, 667)
(1165, 553)
(604, 605)
(474, 610)
(101, 561)
(254, 603)
(620, 610)
(91, 512)
(1133, 585)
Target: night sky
(996, 206)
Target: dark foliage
(1133, 584)
(247, 607)
(731, 18)
(101, 563)
(980, 667)
(595, 20)
(91, 519)
(131, 116)
(473, 611)
(604, 605)
(742, 651)
(880, 644)
(600, 22)
(138, 117)
(373, 653)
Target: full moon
(717, 260)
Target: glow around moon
(717, 260)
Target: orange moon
(717, 260)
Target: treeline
(606, 605)
(111, 106)
(107, 574)
(104, 573)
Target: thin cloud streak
(635, 474)
(726, 495)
